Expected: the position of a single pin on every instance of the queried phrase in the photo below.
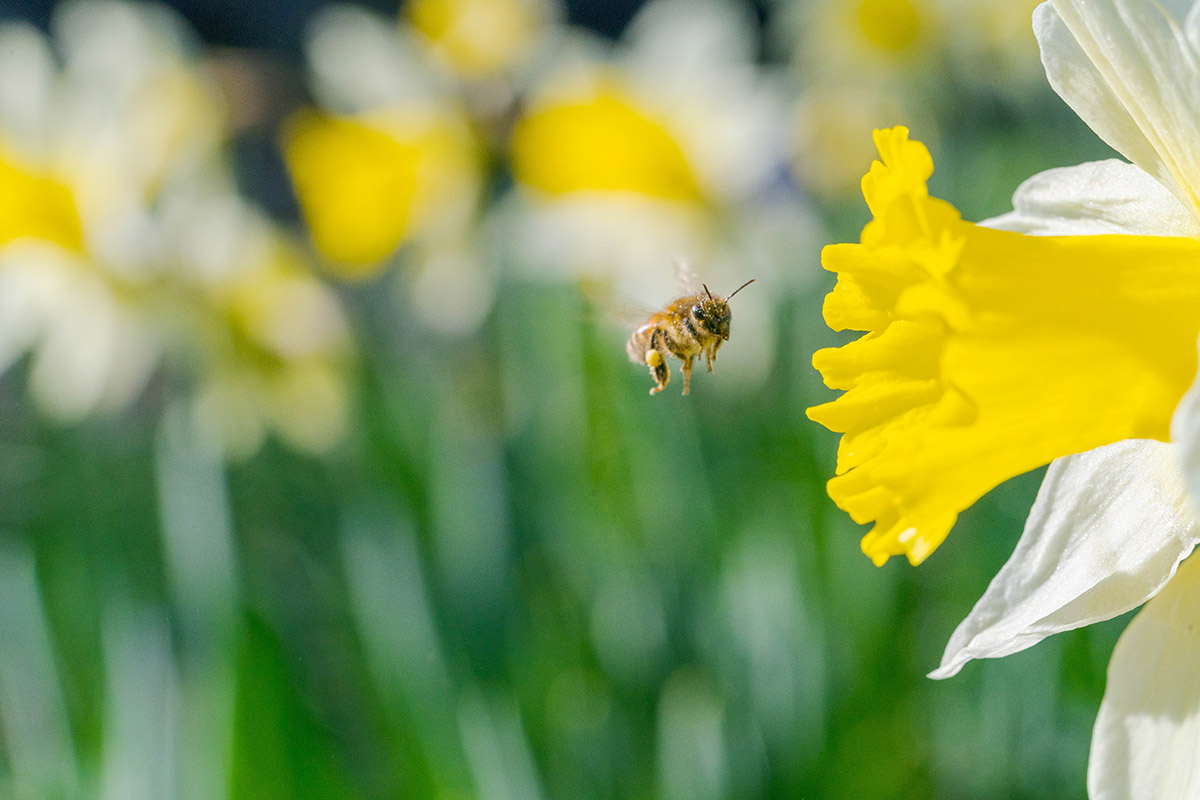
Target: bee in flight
(690, 325)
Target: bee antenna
(707, 292)
(738, 289)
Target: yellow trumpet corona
(988, 353)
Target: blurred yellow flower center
(364, 185)
(988, 353)
(37, 206)
(477, 37)
(602, 144)
(892, 25)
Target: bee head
(712, 312)
(712, 315)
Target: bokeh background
(324, 474)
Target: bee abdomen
(639, 345)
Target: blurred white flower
(866, 37)
(93, 348)
(879, 63)
(390, 165)
(268, 343)
(122, 240)
(85, 145)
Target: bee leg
(657, 362)
(658, 370)
(711, 353)
(687, 374)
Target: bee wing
(607, 303)
(686, 277)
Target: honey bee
(690, 325)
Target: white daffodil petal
(1191, 24)
(72, 365)
(134, 355)
(1107, 531)
(26, 75)
(691, 36)
(1146, 742)
(1098, 197)
(362, 61)
(1129, 71)
(1185, 431)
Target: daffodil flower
(1065, 333)
(628, 157)
(389, 166)
(267, 342)
(88, 141)
(123, 242)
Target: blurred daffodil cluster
(128, 262)
(483, 138)
(462, 141)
